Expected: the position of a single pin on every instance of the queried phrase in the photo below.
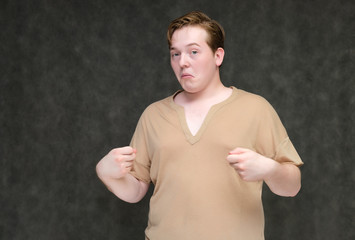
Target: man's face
(193, 62)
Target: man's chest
(195, 117)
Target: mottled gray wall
(76, 75)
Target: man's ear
(219, 55)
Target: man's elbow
(290, 192)
(294, 192)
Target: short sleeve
(272, 139)
(141, 165)
(286, 152)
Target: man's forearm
(127, 188)
(285, 180)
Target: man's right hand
(117, 163)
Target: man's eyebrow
(188, 45)
(193, 44)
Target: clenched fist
(117, 163)
(250, 165)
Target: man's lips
(186, 75)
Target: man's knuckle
(120, 158)
(115, 151)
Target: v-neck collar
(192, 139)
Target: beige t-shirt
(197, 194)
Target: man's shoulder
(158, 106)
(251, 98)
(159, 103)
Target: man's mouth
(186, 75)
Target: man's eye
(194, 52)
(174, 54)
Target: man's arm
(113, 170)
(283, 179)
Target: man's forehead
(189, 36)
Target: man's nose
(184, 61)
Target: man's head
(214, 30)
(196, 52)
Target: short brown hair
(214, 30)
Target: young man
(207, 149)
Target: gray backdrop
(76, 75)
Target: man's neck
(212, 93)
(197, 105)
